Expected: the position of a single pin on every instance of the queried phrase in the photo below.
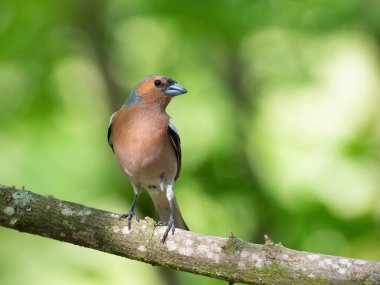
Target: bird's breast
(143, 149)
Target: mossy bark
(228, 258)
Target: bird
(147, 147)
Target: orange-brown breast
(142, 144)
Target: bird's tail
(162, 208)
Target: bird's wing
(176, 142)
(110, 130)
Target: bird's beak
(175, 89)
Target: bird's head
(155, 89)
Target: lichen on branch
(230, 258)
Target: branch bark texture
(228, 258)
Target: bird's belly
(147, 163)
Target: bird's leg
(131, 213)
(170, 225)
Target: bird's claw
(170, 226)
(129, 218)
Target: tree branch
(229, 258)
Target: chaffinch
(147, 147)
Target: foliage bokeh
(280, 129)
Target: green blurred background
(280, 129)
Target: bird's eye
(157, 82)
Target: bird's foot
(129, 218)
(170, 226)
